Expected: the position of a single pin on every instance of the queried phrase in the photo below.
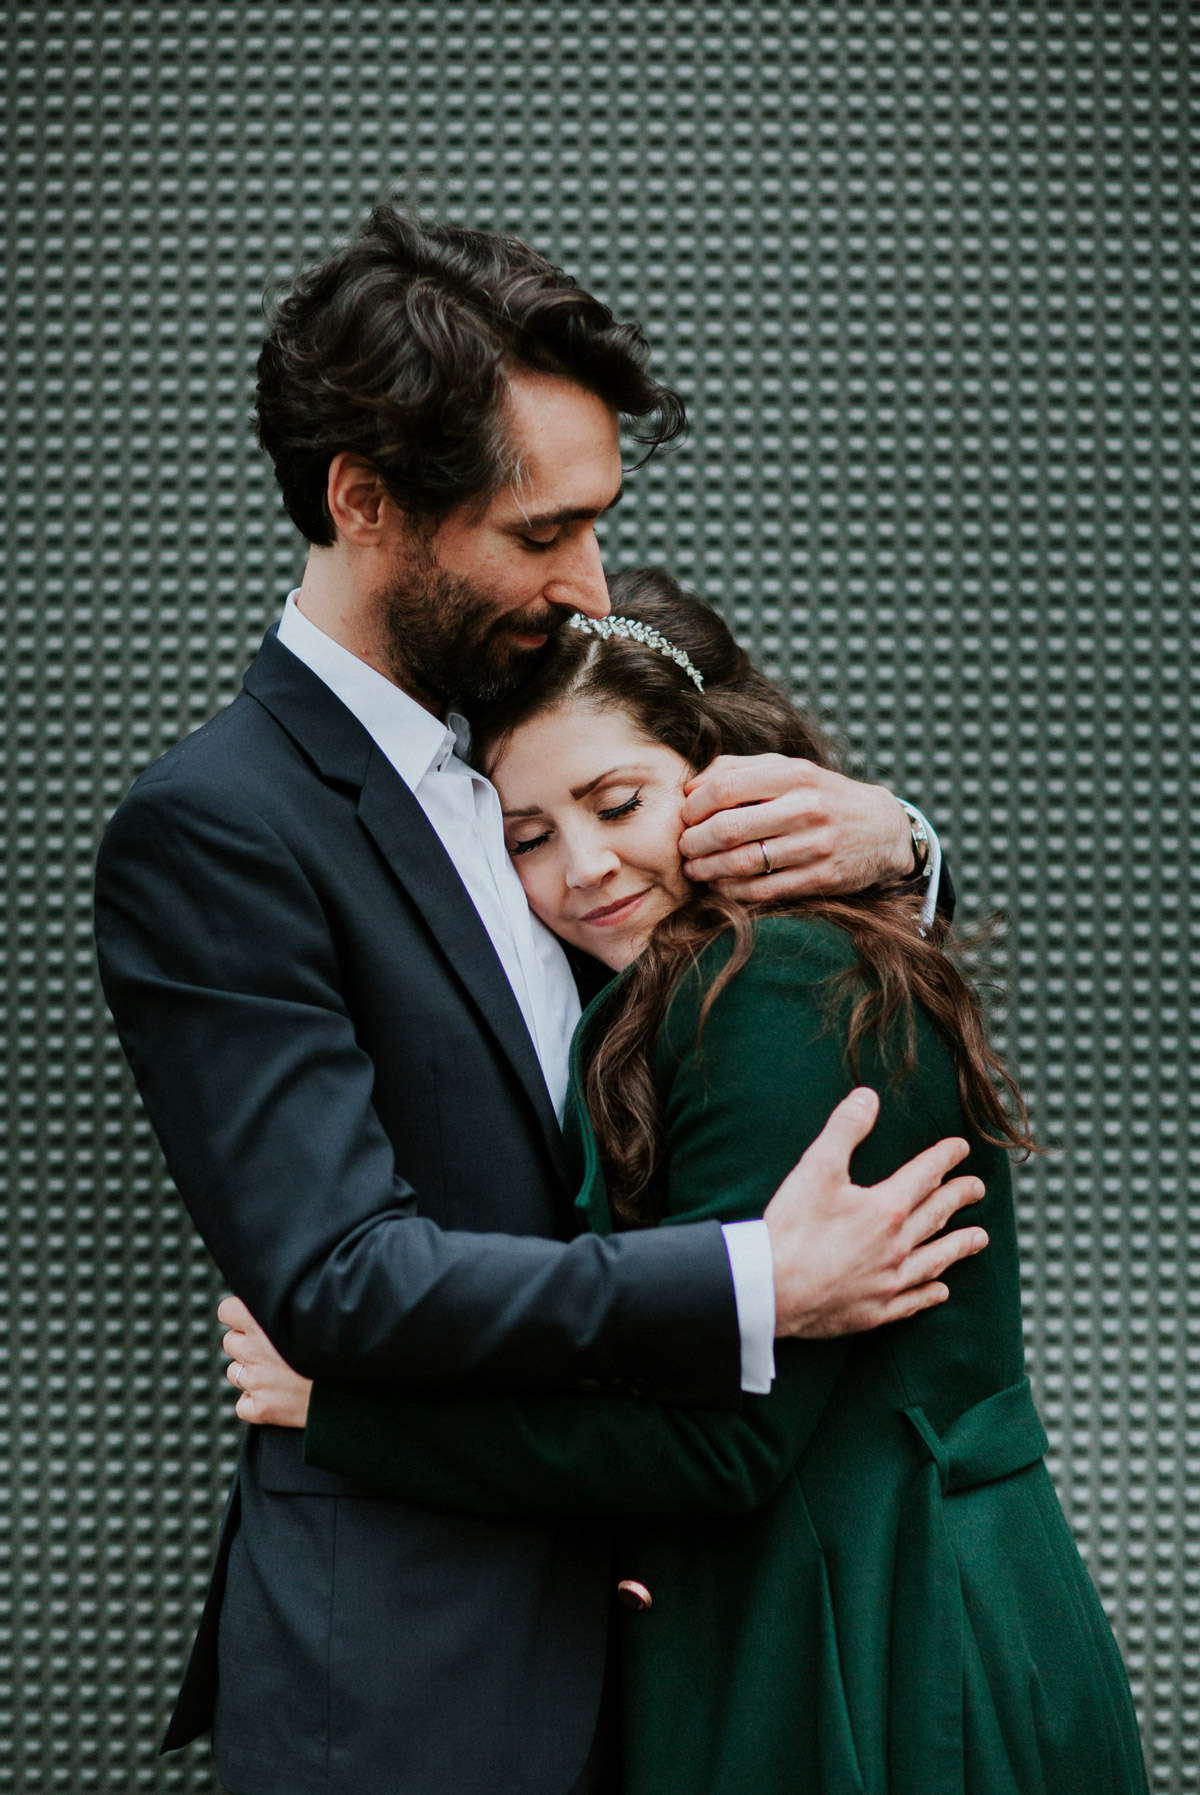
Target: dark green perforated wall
(924, 272)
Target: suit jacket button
(634, 1595)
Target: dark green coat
(862, 1582)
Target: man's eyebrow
(546, 520)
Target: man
(351, 1034)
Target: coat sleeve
(220, 966)
(740, 1110)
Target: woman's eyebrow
(581, 791)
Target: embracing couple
(562, 1063)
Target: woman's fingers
(234, 1313)
(270, 1393)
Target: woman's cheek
(660, 844)
(543, 887)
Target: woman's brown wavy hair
(739, 712)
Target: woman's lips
(609, 914)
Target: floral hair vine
(633, 631)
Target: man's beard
(448, 639)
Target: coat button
(634, 1595)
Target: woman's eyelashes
(611, 815)
(523, 847)
(630, 804)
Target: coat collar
(411, 737)
(342, 750)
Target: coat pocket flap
(996, 1437)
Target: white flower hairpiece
(633, 631)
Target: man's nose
(583, 586)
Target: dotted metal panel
(924, 273)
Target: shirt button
(632, 1594)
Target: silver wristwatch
(922, 852)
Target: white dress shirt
(464, 811)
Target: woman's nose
(589, 867)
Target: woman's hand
(823, 833)
(272, 1394)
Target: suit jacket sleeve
(220, 968)
(740, 1110)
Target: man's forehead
(553, 422)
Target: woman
(863, 1581)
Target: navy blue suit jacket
(353, 1112)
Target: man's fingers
(915, 1180)
(848, 1126)
(734, 779)
(235, 1344)
(729, 828)
(790, 853)
(936, 1257)
(786, 882)
(909, 1303)
(745, 863)
(942, 1203)
(234, 1313)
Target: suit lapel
(403, 834)
(408, 842)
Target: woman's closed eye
(523, 847)
(612, 814)
(625, 809)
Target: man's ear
(359, 502)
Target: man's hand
(822, 832)
(849, 1258)
(272, 1394)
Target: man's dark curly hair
(398, 346)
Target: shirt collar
(412, 739)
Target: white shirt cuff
(933, 872)
(753, 1266)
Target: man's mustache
(537, 622)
